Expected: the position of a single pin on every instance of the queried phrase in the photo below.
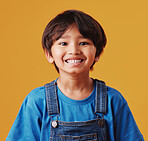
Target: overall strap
(101, 97)
(51, 98)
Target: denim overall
(92, 130)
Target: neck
(76, 87)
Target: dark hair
(87, 26)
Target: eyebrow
(67, 36)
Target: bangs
(88, 27)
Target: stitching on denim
(101, 97)
(51, 106)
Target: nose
(74, 49)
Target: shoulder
(37, 93)
(116, 101)
(115, 95)
(36, 99)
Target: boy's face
(72, 53)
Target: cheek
(55, 51)
(57, 54)
(92, 52)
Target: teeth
(73, 61)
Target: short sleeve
(27, 125)
(125, 127)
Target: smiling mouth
(71, 61)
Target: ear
(48, 56)
(97, 59)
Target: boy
(74, 106)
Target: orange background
(24, 66)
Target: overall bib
(92, 130)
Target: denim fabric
(94, 130)
(80, 131)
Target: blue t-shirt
(33, 122)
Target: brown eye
(63, 43)
(84, 43)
